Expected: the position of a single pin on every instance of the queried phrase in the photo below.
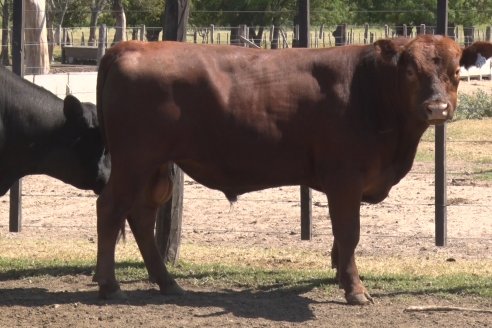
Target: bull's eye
(457, 73)
(410, 72)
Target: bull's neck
(385, 115)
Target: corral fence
(73, 46)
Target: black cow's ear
(388, 50)
(476, 54)
(82, 114)
(72, 107)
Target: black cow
(42, 134)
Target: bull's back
(222, 109)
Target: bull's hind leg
(142, 222)
(110, 218)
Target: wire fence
(284, 36)
(261, 36)
(205, 209)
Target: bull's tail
(104, 67)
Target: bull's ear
(476, 54)
(81, 114)
(389, 50)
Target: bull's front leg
(344, 208)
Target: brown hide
(345, 121)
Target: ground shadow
(274, 305)
(280, 302)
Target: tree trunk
(5, 33)
(119, 15)
(96, 8)
(176, 14)
(275, 37)
(168, 225)
(37, 59)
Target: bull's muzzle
(438, 112)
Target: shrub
(475, 106)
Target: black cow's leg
(109, 223)
(344, 207)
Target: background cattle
(345, 121)
(42, 134)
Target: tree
(119, 14)
(146, 12)
(397, 12)
(470, 13)
(36, 44)
(258, 14)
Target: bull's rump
(233, 119)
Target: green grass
(469, 145)
(393, 277)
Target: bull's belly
(234, 180)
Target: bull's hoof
(112, 293)
(359, 299)
(172, 289)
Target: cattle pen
(244, 264)
(262, 230)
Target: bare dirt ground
(400, 227)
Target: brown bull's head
(429, 72)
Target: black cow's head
(64, 144)
(81, 159)
(429, 72)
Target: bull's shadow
(269, 305)
(275, 303)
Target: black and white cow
(42, 134)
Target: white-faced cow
(345, 121)
(42, 134)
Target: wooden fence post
(306, 202)
(212, 31)
(366, 33)
(488, 34)
(340, 35)
(168, 223)
(15, 215)
(243, 32)
(422, 29)
(142, 32)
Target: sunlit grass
(469, 145)
(259, 268)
